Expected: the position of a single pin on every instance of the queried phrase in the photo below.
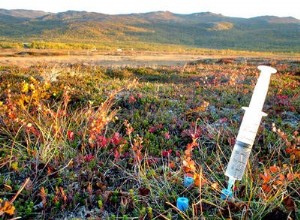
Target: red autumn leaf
(89, 157)
(116, 139)
(117, 154)
(266, 188)
(290, 176)
(266, 177)
(70, 135)
(172, 165)
(152, 129)
(289, 204)
(273, 169)
(151, 161)
(101, 141)
(166, 153)
(280, 180)
(289, 150)
(131, 99)
(167, 135)
(281, 177)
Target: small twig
(20, 190)
(15, 218)
(61, 168)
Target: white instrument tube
(249, 127)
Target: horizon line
(129, 13)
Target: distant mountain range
(207, 30)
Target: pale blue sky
(234, 8)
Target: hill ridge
(202, 29)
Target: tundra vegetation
(90, 142)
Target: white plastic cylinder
(261, 88)
(249, 126)
(238, 160)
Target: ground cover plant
(90, 142)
